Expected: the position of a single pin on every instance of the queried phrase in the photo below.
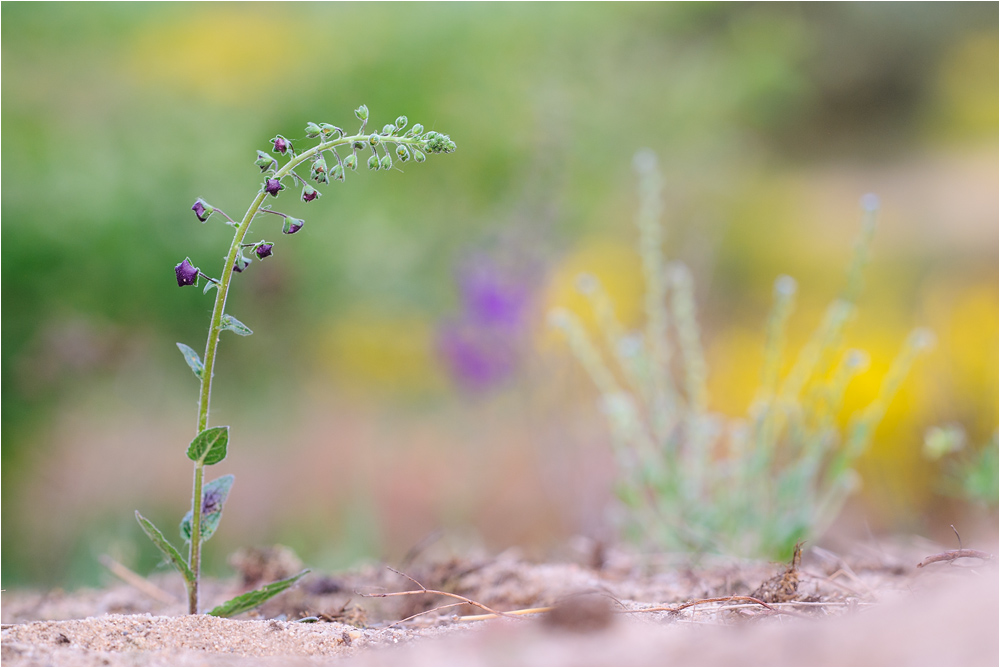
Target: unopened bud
(330, 130)
(313, 130)
(373, 162)
(309, 193)
(402, 153)
(264, 161)
(337, 172)
(202, 209)
(292, 225)
(388, 129)
(319, 171)
(385, 162)
(362, 113)
(374, 139)
(281, 145)
(273, 187)
(419, 155)
(187, 273)
(401, 122)
(417, 129)
(351, 162)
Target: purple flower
(273, 187)
(187, 274)
(483, 345)
(476, 356)
(492, 299)
(281, 145)
(309, 193)
(292, 225)
(202, 209)
(241, 264)
(263, 250)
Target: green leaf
(234, 325)
(165, 547)
(252, 599)
(209, 447)
(213, 498)
(191, 357)
(210, 285)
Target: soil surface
(605, 607)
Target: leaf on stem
(252, 599)
(234, 325)
(165, 547)
(213, 498)
(192, 359)
(209, 447)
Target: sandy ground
(860, 610)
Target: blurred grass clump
(694, 481)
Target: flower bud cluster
(325, 164)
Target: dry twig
(425, 590)
(952, 555)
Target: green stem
(194, 560)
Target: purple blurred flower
(476, 357)
(491, 298)
(482, 346)
(273, 187)
(187, 274)
(263, 250)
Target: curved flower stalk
(332, 157)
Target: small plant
(692, 480)
(210, 444)
(969, 475)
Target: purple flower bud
(187, 274)
(292, 225)
(263, 250)
(241, 264)
(281, 145)
(309, 193)
(202, 209)
(273, 187)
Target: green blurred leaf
(191, 357)
(213, 498)
(252, 599)
(165, 547)
(234, 325)
(209, 447)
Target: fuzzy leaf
(191, 357)
(234, 325)
(252, 599)
(213, 498)
(171, 553)
(209, 447)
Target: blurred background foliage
(385, 392)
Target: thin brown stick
(436, 592)
(720, 599)
(523, 611)
(137, 581)
(952, 555)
